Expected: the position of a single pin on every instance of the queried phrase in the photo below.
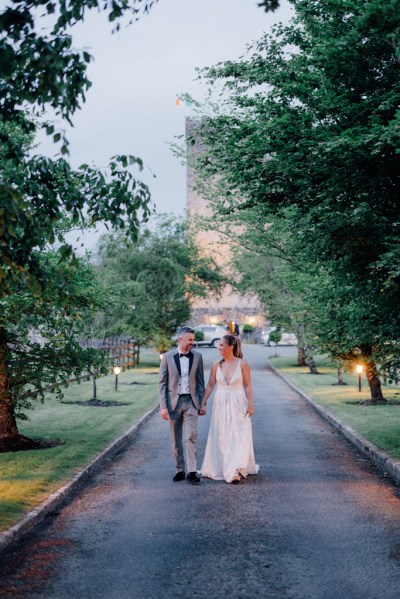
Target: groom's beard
(187, 348)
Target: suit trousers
(183, 428)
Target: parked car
(286, 338)
(212, 334)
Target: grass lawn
(28, 477)
(379, 424)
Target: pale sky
(138, 73)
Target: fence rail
(122, 351)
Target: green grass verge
(378, 424)
(28, 477)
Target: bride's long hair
(237, 346)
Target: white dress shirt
(184, 376)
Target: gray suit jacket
(170, 378)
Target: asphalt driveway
(318, 521)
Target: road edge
(382, 460)
(35, 516)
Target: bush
(162, 344)
(275, 336)
(198, 336)
(247, 328)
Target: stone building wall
(230, 306)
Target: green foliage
(155, 280)
(41, 70)
(247, 328)
(275, 336)
(269, 5)
(198, 336)
(39, 65)
(49, 191)
(43, 331)
(308, 140)
(273, 266)
(161, 342)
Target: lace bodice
(236, 378)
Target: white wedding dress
(229, 449)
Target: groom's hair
(183, 330)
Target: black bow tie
(184, 355)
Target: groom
(181, 389)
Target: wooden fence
(122, 351)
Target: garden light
(117, 371)
(359, 370)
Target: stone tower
(230, 306)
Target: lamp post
(117, 371)
(359, 369)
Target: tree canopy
(39, 66)
(155, 280)
(308, 133)
(41, 71)
(41, 198)
(40, 338)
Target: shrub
(275, 336)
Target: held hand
(250, 411)
(164, 413)
(202, 411)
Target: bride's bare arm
(247, 387)
(209, 389)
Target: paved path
(318, 522)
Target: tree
(275, 337)
(42, 340)
(282, 292)
(39, 66)
(93, 340)
(155, 280)
(272, 268)
(268, 263)
(310, 122)
(51, 197)
(39, 71)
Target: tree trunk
(312, 366)
(340, 380)
(10, 439)
(374, 385)
(301, 350)
(94, 387)
(310, 359)
(8, 424)
(301, 355)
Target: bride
(229, 451)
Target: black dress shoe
(179, 476)
(193, 478)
